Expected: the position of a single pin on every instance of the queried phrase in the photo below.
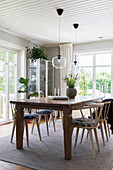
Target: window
(8, 79)
(103, 73)
(95, 74)
(85, 74)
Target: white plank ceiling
(37, 20)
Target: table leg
(19, 127)
(67, 126)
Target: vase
(71, 92)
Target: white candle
(99, 89)
(58, 91)
(55, 91)
(102, 89)
(107, 88)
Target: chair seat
(44, 111)
(80, 122)
(28, 116)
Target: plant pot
(71, 92)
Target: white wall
(17, 44)
(94, 47)
(13, 42)
(52, 52)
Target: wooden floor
(6, 130)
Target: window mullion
(15, 64)
(94, 74)
(112, 74)
(7, 86)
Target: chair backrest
(13, 109)
(105, 110)
(93, 107)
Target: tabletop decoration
(71, 81)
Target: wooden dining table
(47, 103)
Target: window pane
(86, 81)
(103, 59)
(2, 85)
(85, 60)
(12, 79)
(103, 80)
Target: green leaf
(26, 81)
(34, 94)
(21, 91)
(36, 53)
(21, 80)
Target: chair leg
(38, 129)
(77, 131)
(87, 133)
(82, 135)
(46, 119)
(40, 116)
(105, 130)
(61, 113)
(14, 125)
(96, 137)
(27, 136)
(53, 122)
(91, 138)
(56, 114)
(108, 129)
(101, 128)
(50, 119)
(33, 126)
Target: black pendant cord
(59, 56)
(75, 62)
(59, 12)
(75, 26)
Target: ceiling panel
(37, 20)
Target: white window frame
(7, 79)
(94, 66)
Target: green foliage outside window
(86, 82)
(2, 72)
(105, 80)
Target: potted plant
(71, 81)
(36, 53)
(26, 88)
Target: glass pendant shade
(59, 62)
(74, 68)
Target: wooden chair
(88, 124)
(45, 113)
(27, 118)
(103, 121)
(56, 114)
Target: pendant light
(59, 62)
(74, 65)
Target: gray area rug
(49, 154)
